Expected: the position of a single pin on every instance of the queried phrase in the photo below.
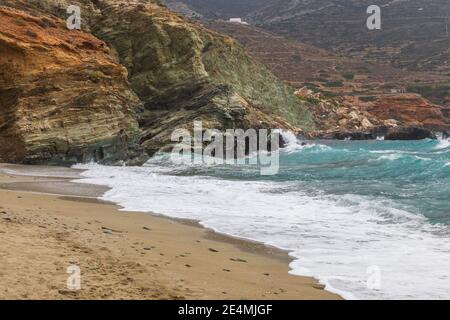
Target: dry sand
(124, 255)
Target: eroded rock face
(63, 97)
(179, 71)
(396, 116)
(410, 110)
(185, 72)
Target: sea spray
(444, 143)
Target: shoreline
(241, 269)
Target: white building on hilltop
(237, 20)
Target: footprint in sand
(238, 260)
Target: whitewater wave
(333, 238)
(443, 143)
(397, 156)
(294, 145)
(391, 157)
(341, 210)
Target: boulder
(390, 123)
(342, 111)
(354, 115)
(366, 124)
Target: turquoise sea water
(410, 175)
(370, 219)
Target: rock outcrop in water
(75, 104)
(396, 116)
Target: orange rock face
(409, 109)
(63, 97)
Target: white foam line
(331, 239)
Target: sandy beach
(48, 223)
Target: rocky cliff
(178, 72)
(183, 71)
(63, 97)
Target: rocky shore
(393, 117)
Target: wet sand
(48, 223)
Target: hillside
(410, 53)
(345, 92)
(415, 34)
(215, 9)
(298, 63)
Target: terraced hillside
(216, 9)
(347, 91)
(301, 64)
(415, 34)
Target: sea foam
(443, 143)
(337, 226)
(337, 239)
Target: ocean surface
(369, 219)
